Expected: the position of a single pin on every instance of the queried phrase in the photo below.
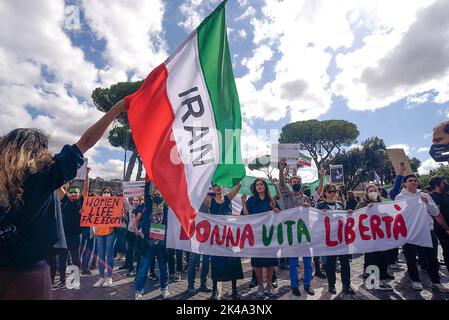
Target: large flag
(186, 120)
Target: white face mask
(373, 195)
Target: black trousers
(444, 242)
(379, 259)
(172, 266)
(132, 250)
(345, 270)
(392, 256)
(61, 255)
(430, 254)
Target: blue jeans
(106, 254)
(191, 272)
(294, 282)
(144, 267)
(87, 245)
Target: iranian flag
(186, 120)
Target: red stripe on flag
(151, 118)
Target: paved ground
(122, 288)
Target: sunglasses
(412, 180)
(331, 191)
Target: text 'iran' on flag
(186, 120)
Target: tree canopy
(322, 139)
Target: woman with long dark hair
(29, 175)
(261, 201)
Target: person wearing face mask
(440, 195)
(153, 221)
(378, 258)
(440, 140)
(295, 199)
(105, 238)
(224, 268)
(411, 191)
(330, 203)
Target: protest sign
(398, 156)
(286, 151)
(81, 174)
(336, 174)
(102, 211)
(305, 232)
(133, 189)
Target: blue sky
(370, 62)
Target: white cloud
(428, 165)
(418, 99)
(405, 147)
(424, 149)
(133, 33)
(36, 43)
(194, 11)
(398, 58)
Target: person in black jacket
(29, 175)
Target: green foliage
(262, 164)
(320, 138)
(443, 170)
(360, 163)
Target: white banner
(304, 232)
(133, 188)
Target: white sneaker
(440, 287)
(107, 283)
(165, 293)
(417, 286)
(99, 283)
(138, 296)
(260, 292)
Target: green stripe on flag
(216, 65)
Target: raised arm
(244, 207)
(276, 186)
(61, 192)
(207, 201)
(234, 191)
(96, 131)
(85, 193)
(397, 182)
(282, 172)
(321, 184)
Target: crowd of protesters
(41, 233)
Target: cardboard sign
(337, 174)
(81, 174)
(133, 189)
(102, 211)
(287, 151)
(398, 156)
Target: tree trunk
(130, 168)
(139, 170)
